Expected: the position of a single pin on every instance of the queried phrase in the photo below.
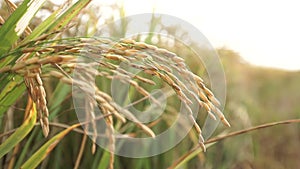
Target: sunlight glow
(264, 33)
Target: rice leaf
(20, 133)
(46, 149)
(41, 28)
(187, 157)
(66, 17)
(11, 92)
(15, 25)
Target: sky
(263, 32)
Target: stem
(218, 138)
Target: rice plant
(39, 59)
(37, 62)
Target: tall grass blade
(15, 25)
(183, 160)
(20, 133)
(66, 17)
(11, 92)
(46, 149)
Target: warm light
(265, 33)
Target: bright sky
(264, 32)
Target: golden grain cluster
(108, 54)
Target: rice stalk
(72, 53)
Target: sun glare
(265, 33)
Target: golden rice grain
(165, 52)
(5, 69)
(127, 41)
(130, 52)
(147, 58)
(31, 60)
(178, 60)
(140, 45)
(56, 74)
(151, 47)
(37, 92)
(117, 51)
(18, 66)
(150, 72)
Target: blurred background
(257, 45)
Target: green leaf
(8, 98)
(67, 16)
(38, 31)
(11, 92)
(56, 20)
(104, 162)
(187, 157)
(45, 150)
(20, 133)
(59, 95)
(27, 147)
(15, 25)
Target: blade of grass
(15, 25)
(188, 156)
(59, 95)
(56, 21)
(58, 157)
(21, 132)
(104, 162)
(42, 27)
(11, 92)
(97, 157)
(67, 16)
(26, 148)
(45, 150)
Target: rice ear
(149, 59)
